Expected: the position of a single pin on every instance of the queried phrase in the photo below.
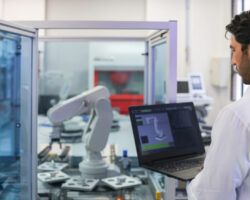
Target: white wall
(14, 10)
(129, 10)
(165, 10)
(207, 38)
(22, 9)
(97, 10)
(1, 9)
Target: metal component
(52, 166)
(80, 184)
(120, 182)
(53, 177)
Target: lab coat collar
(247, 92)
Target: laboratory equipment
(52, 177)
(125, 161)
(125, 86)
(141, 173)
(167, 31)
(52, 166)
(46, 155)
(192, 89)
(98, 128)
(80, 184)
(120, 182)
(183, 89)
(116, 121)
(196, 84)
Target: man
(226, 172)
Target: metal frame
(170, 26)
(32, 33)
(21, 30)
(80, 39)
(134, 25)
(171, 38)
(35, 114)
(236, 83)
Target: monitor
(165, 130)
(196, 84)
(182, 87)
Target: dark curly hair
(240, 28)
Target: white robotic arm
(97, 131)
(77, 105)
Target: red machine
(122, 98)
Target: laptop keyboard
(180, 165)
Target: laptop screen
(165, 130)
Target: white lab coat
(226, 172)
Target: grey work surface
(141, 192)
(122, 139)
(138, 193)
(103, 192)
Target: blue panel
(9, 117)
(13, 60)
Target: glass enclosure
(16, 63)
(68, 67)
(161, 84)
(160, 75)
(63, 67)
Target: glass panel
(68, 68)
(63, 71)
(119, 67)
(160, 72)
(15, 115)
(70, 59)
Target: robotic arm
(94, 100)
(97, 131)
(77, 105)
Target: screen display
(166, 129)
(154, 131)
(196, 83)
(182, 87)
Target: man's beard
(244, 68)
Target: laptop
(168, 139)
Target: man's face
(241, 59)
